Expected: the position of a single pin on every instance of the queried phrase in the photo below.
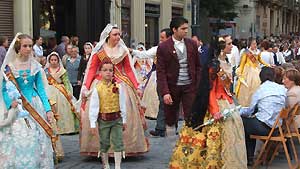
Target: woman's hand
(70, 96)
(124, 126)
(49, 115)
(217, 116)
(139, 93)
(14, 104)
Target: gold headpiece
(221, 39)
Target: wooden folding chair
(273, 137)
(292, 122)
(288, 123)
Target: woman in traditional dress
(248, 74)
(23, 142)
(222, 143)
(113, 48)
(142, 66)
(60, 92)
(147, 78)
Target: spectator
(88, 47)
(61, 47)
(279, 56)
(265, 55)
(38, 50)
(68, 54)
(3, 46)
(265, 106)
(291, 80)
(52, 45)
(72, 66)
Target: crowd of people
(106, 93)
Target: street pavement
(157, 158)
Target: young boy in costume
(108, 106)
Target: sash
(251, 57)
(149, 74)
(225, 80)
(63, 90)
(34, 114)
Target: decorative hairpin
(221, 39)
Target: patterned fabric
(109, 101)
(67, 122)
(134, 139)
(20, 146)
(220, 145)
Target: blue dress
(22, 147)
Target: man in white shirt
(160, 128)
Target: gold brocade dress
(248, 74)
(219, 145)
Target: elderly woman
(112, 47)
(291, 80)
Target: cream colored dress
(248, 74)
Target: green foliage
(222, 9)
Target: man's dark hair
(2, 40)
(177, 22)
(267, 73)
(167, 31)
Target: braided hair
(208, 75)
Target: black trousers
(76, 91)
(253, 126)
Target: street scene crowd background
(260, 74)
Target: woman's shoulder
(294, 90)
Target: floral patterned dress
(22, 147)
(220, 145)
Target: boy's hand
(124, 126)
(93, 131)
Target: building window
(177, 11)
(152, 13)
(125, 20)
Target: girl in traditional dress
(111, 47)
(60, 91)
(222, 143)
(23, 142)
(248, 74)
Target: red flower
(115, 89)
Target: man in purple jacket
(178, 72)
